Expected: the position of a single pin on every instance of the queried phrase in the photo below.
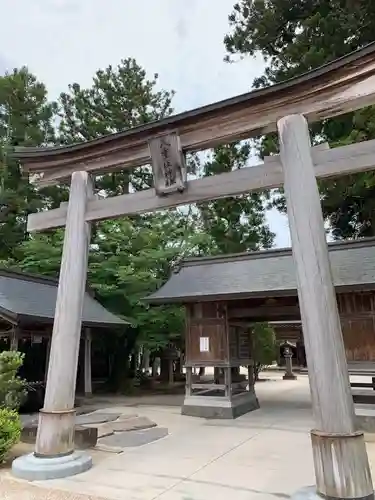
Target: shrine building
(27, 311)
(224, 295)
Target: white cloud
(63, 41)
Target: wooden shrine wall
(206, 340)
(357, 313)
(239, 345)
(214, 321)
(287, 333)
(211, 339)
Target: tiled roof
(263, 273)
(27, 296)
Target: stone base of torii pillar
(34, 468)
(54, 455)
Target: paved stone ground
(265, 454)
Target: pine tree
(295, 37)
(26, 119)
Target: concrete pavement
(262, 455)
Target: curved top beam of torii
(340, 86)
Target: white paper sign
(204, 344)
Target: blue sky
(63, 41)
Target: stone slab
(134, 438)
(126, 416)
(32, 468)
(96, 418)
(108, 449)
(131, 424)
(103, 429)
(84, 437)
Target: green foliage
(12, 387)
(297, 37)
(128, 260)
(236, 224)
(25, 120)
(40, 254)
(10, 431)
(264, 347)
(139, 257)
(119, 98)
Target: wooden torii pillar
(339, 452)
(340, 459)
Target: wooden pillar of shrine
(13, 339)
(48, 354)
(87, 362)
(212, 342)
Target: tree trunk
(154, 367)
(257, 370)
(121, 350)
(164, 369)
(178, 367)
(133, 364)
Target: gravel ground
(12, 489)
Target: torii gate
(340, 459)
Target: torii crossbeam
(347, 84)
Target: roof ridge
(28, 281)
(271, 252)
(23, 276)
(18, 274)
